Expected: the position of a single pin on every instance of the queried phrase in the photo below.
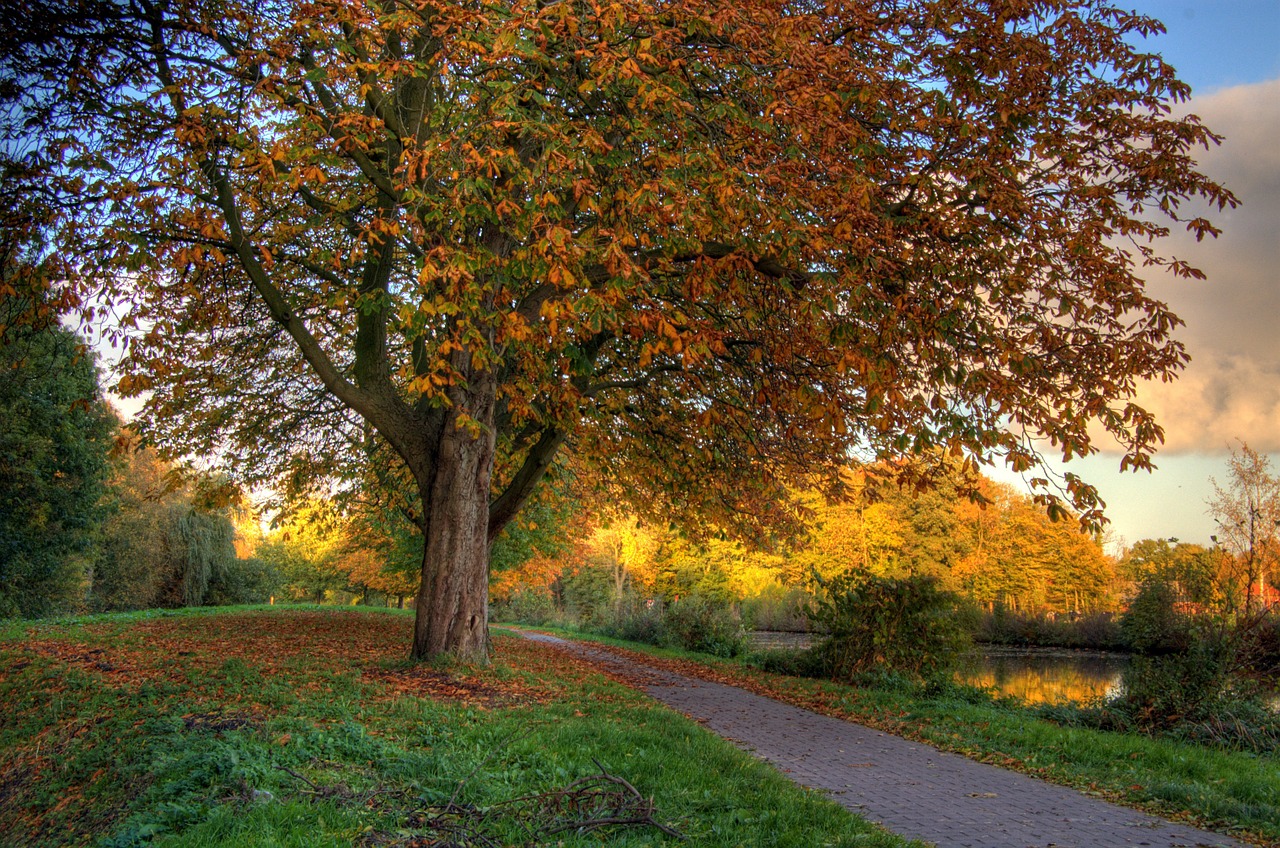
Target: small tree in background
(1189, 570)
(305, 548)
(379, 552)
(128, 571)
(1247, 512)
(169, 538)
(198, 547)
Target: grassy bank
(305, 727)
(1229, 791)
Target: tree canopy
(716, 248)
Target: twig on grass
(588, 804)
(296, 776)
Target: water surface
(1044, 675)
(1036, 675)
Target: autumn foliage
(713, 248)
(1005, 554)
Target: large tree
(715, 246)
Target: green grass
(284, 727)
(1231, 791)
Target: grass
(284, 727)
(1229, 791)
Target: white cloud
(1222, 397)
(1231, 390)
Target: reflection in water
(1036, 675)
(1040, 676)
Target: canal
(1035, 675)
(1044, 675)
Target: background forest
(96, 521)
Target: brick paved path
(909, 788)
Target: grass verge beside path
(305, 728)
(1231, 792)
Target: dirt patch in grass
(218, 722)
(523, 673)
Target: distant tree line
(92, 519)
(998, 550)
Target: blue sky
(1216, 43)
(1229, 52)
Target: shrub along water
(1191, 677)
(908, 626)
(705, 625)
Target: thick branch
(536, 463)
(373, 409)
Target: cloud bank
(1231, 390)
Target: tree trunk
(452, 609)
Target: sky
(1228, 51)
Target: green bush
(907, 626)
(1162, 691)
(637, 621)
(778, 607)
(705, 625)
(527, 606)
(695, 623)
(1260, 648)
(1152, 624)
(1245, 725)
(788, 661)
(1196, 693)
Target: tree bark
(452, 608)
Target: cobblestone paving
(909, 788)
